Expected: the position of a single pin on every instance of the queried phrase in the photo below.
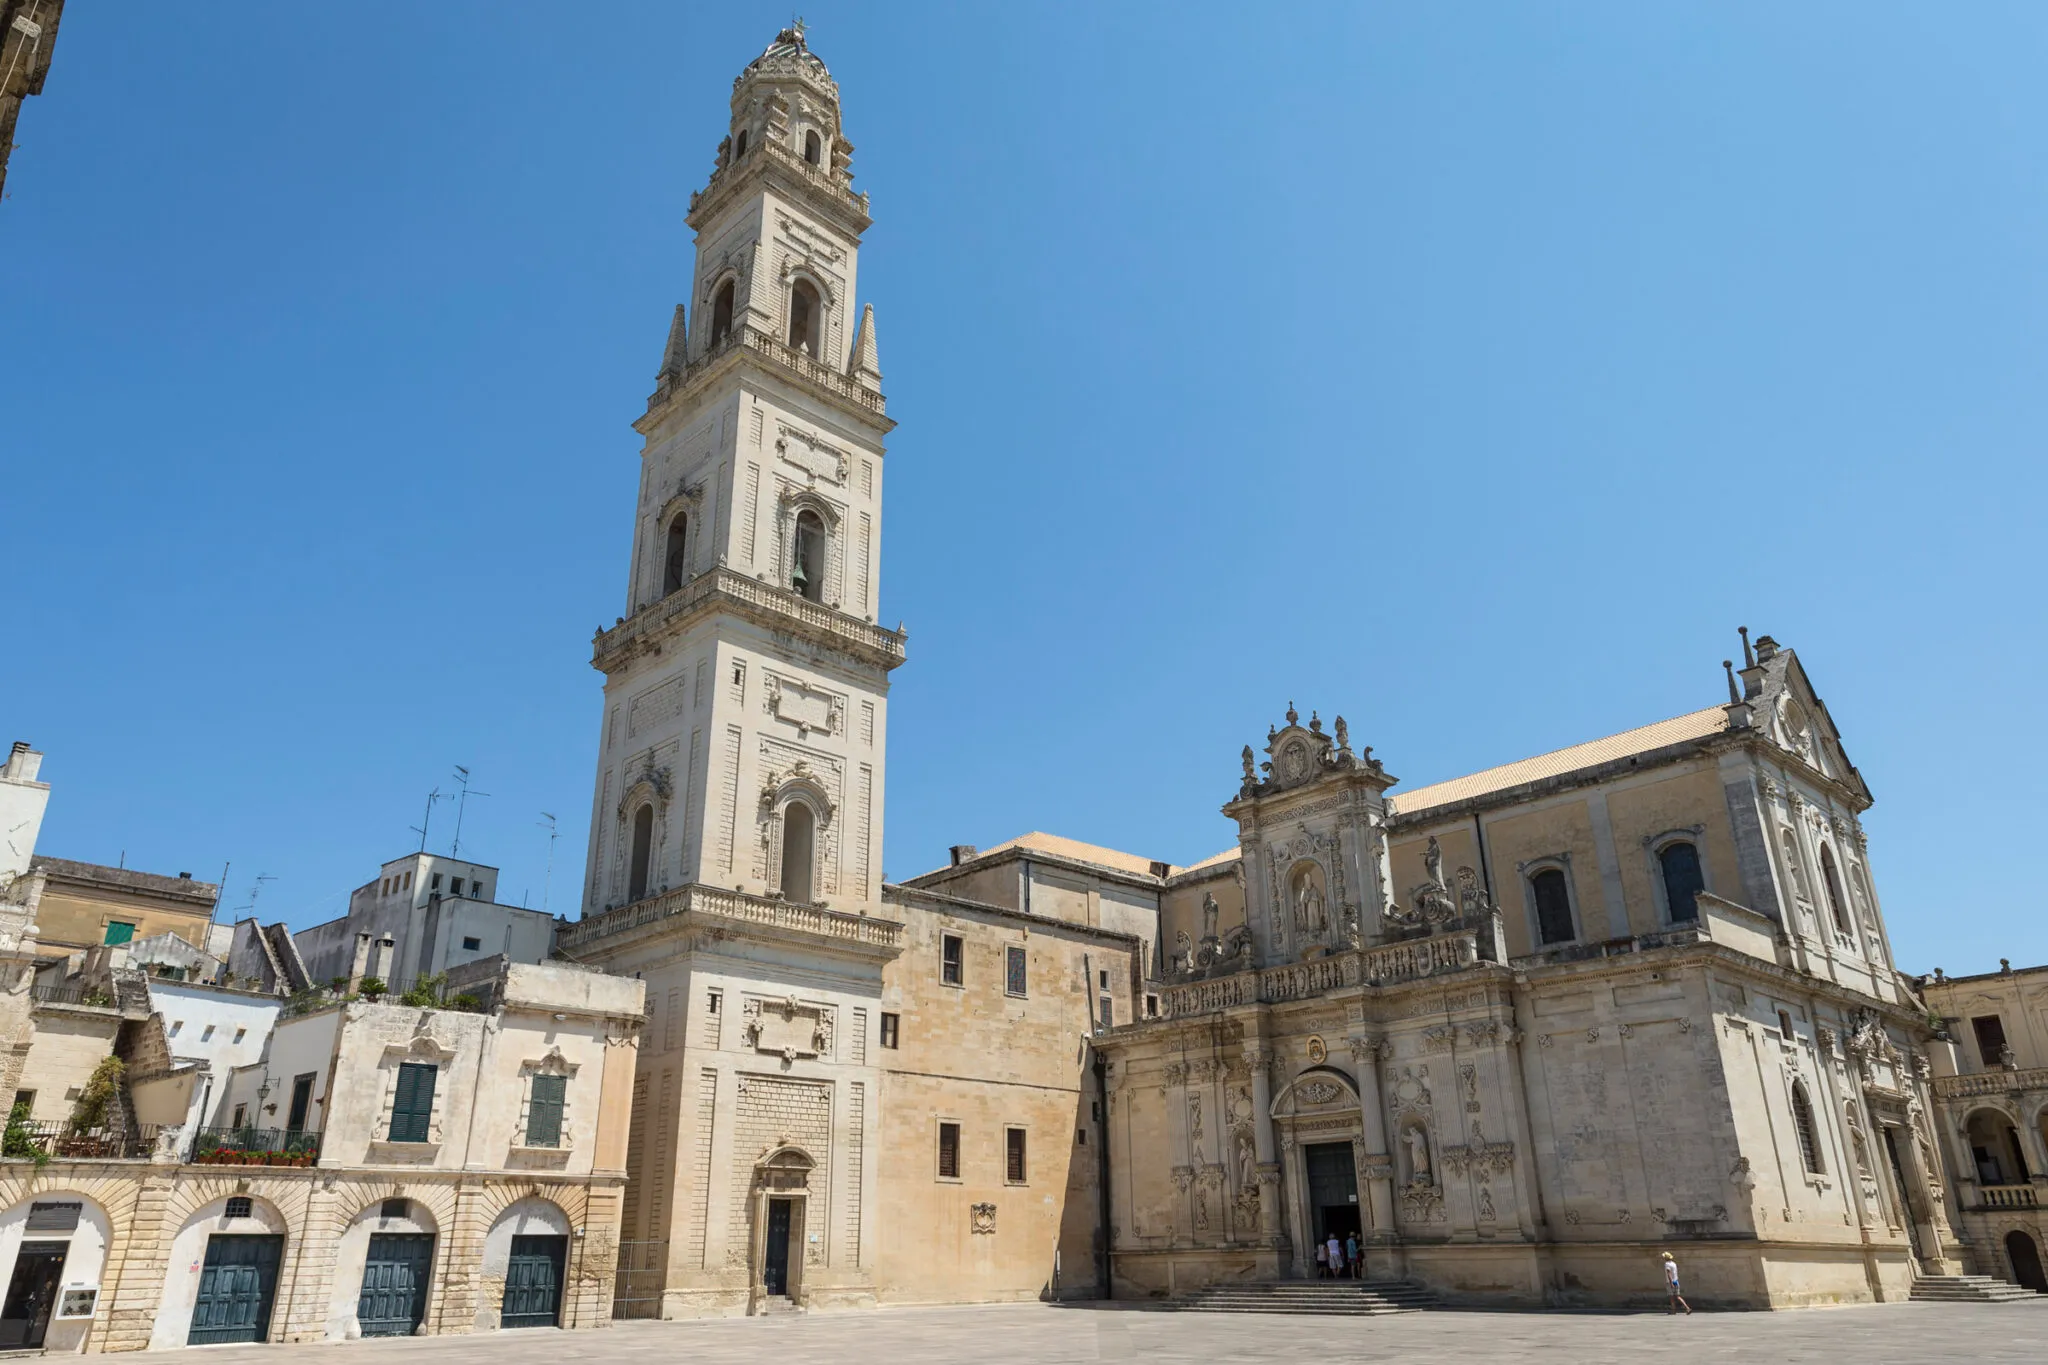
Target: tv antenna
(255, 890)
(547, 822)
(461, 799)
(427, 819)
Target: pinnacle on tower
(675, 355)
(867, 366)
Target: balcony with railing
(46, 1139)
(2007, 1197)
(246, 1146)
(88, 997)
(733, 908)
(778, 608)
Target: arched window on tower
(674, 567)
(721, 313)
(1833, 881)
(813, 148)
(1553, 906)
(1683, 881)
(739, 145)
(1802, 1124)
(799, 844)
(643, 853)
(807, 557)
(805, 314)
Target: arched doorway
(238, 1244)
(527, 1251)
(383, 1270)
(51, 1241)
(2026, 1261)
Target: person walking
(1322, 1262)
(1336, 1258)
(1671, 1287)
(1351, 1255)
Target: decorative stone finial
(1343, 736)
(1734, 694)
(1315, 723)
(1748, 654)
(1293, 716)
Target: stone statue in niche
(1311, 915)
(1211, 912)
(1247, 1161)
(1418, 1155)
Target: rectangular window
(434, 882)
(53, 1217)
(470, 945)
(176, 1024)
(241, 1118)
(1990, 1030)
(412, 1106)
(27, 1097)
(240, 1206)
(544, 1112)
(1013, 1155)
(396, 1208)
(455, 886)
(1108, 1015)
(1105, 979)
(408, 881)
(1013, 973)
(949, 1151)
(890, 1024)
(206, 1034)
(1151, 1007)
(119, 931)
(952, 957)
(300, 1114)
(715, 997)
(1080, 1137)
(240, 1034)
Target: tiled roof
(1075, 849)
(1695, 725)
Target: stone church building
(1518, 1032)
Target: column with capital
(1258, 1058)
(1377, 1169)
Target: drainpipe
(1479, 838)
(1103, 1284)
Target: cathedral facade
(1515, 1033)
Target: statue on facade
(1247, 1161)
(1433, 862)
(1418, 1156)
(1210, 913)
(1309, 916)
(1183, 951)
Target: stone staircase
(1969, 1289)
(1352, 1298)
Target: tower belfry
(746, 681)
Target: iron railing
(638, 1281)
(73, 995)
(247, 1146)
(33, 1139)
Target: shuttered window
(949, 1151)
(1013, 1155)
(1014, 967)
(544, 1111)
(413, 1106)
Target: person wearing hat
(1671, 1286)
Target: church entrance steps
(1352, 1298)
(777, 1303)
(1970, 1289)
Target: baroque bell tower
(746, 682)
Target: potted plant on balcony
(20, 1144)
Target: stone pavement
(1015, 1334)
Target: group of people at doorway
(1337, 1259)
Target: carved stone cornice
(722, 591)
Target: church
(1516, 1033)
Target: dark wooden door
(32, 1294)
(775, 1267)
(237, 1285)
(533, 1282)
(395, 1278)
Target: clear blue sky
(1472, 371)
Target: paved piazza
(1034, 1333)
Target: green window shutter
(413, 1107)
(118, 932)
(544, 1111)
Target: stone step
(1370, 1298)
(1969, 1289)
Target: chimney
(359, 966)
(22, 763)
(383, 960)
(964, 853)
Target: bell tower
(746, 681)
